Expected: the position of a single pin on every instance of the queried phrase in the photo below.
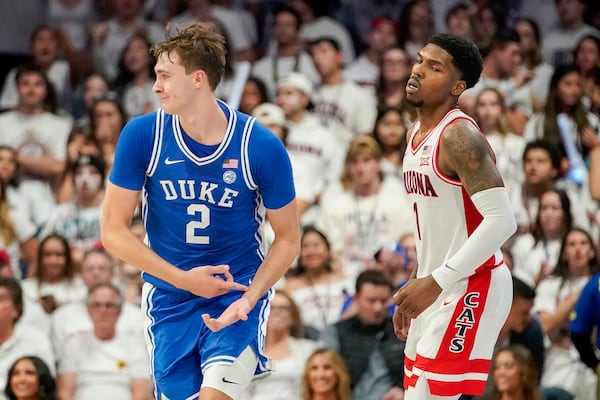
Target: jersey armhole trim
(245, 159)
(157, 145)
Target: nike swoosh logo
(171, 162)
(447, 266)
(225, 380)
(445, 303)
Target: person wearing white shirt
(314, 152)
(73, 319)
(343, 106)
(366, 213)
(104, 363)
(289, 55)
(17, 340)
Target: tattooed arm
(464, 154)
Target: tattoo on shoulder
(470, 157)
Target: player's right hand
(210, 281)
(401, 324)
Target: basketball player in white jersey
(453, 308)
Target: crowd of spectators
(328, 78)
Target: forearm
(141, 389)
(275, 265)
(497, 226)
(42, 166)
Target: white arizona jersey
(444, 214)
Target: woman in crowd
(29, 378)
(17, 231)
(536, 253)
(490, 114)
(55, 282)
(136, 77)
(565, 122)
(390, 134)
(107, 120)
(394, 71)
(514, 374)
(44, 47)
(318, 288)
(586, 56)
(286, 346)
(326, 377)
(555, 299)
(254, 94)
(530, 44)
(80, 142)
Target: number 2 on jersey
(191, 235)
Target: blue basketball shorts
(181, 346)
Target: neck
(52, 279)
(141, 78)
(30, 110)
(204, 121)
(6, 332)
(297, 116)
(514, 395)
(287, 50)
(575, 23)
(429, 117)
(325, 396)
(488, 129)
(538, 189)
(315, 274)
(91, 201)
(490, 70)
(105, 333)
(367, 189)
(335, 78)
(373, 56)
(275, 336)
(126, 22)
(392, 87)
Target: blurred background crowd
(328, 78)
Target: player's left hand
(238, 310)
(416, 295)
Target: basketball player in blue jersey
(207, 175)
(455, 305)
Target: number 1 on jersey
(417, 219)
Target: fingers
(231, 285)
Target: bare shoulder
(466, 155)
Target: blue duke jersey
(204, 205)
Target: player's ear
(459, 87)
(200, 78)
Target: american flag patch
(230, 163)
(426, 150)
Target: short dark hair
(522, 290)
(16, 294)
(544, 144)
(465, 56)
(373, 277)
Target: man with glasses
(104, 360)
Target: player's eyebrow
(430, 60)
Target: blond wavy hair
(198, 47)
